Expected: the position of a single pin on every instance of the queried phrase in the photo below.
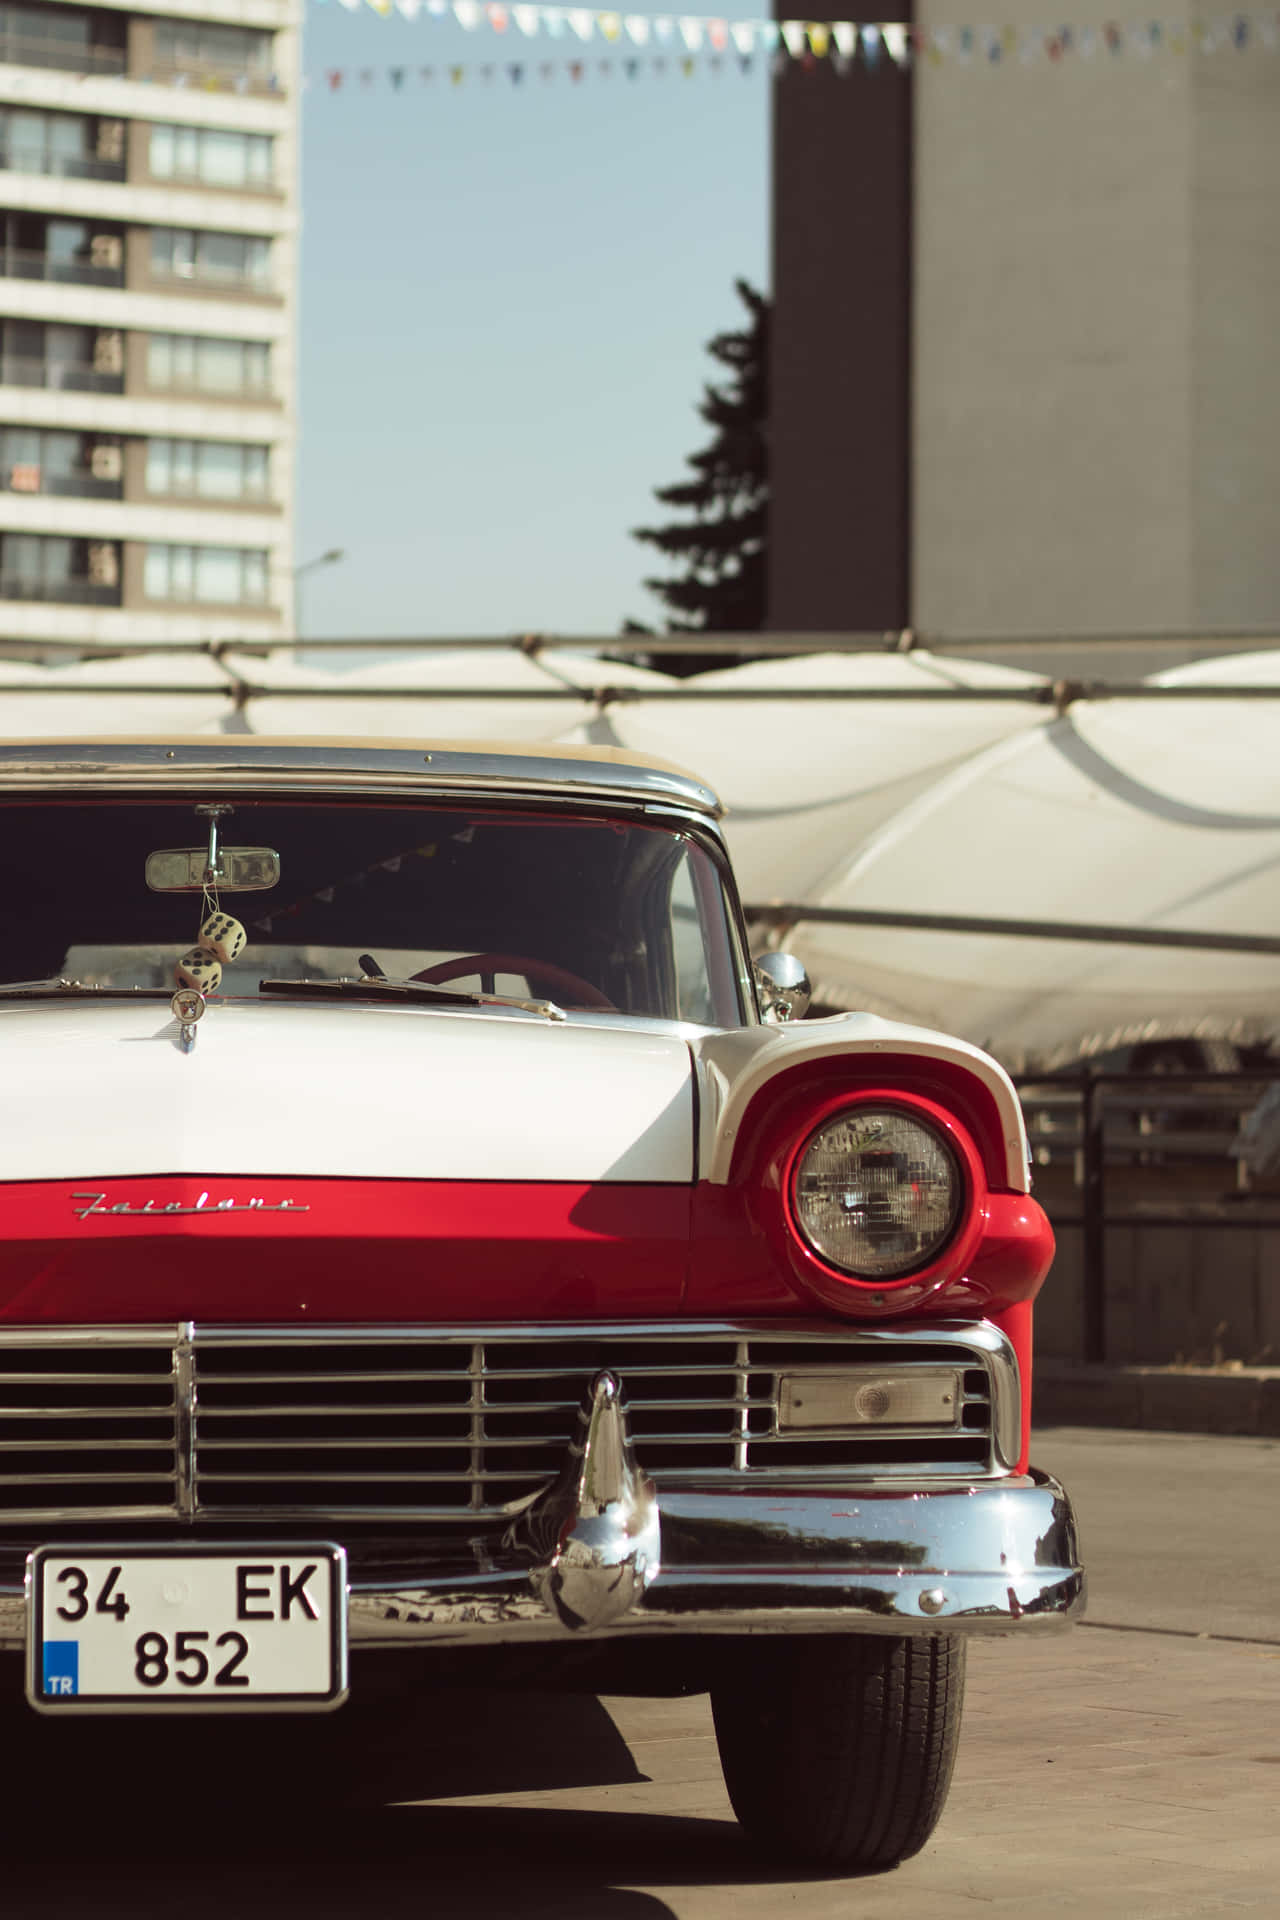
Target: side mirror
(235, 869)
(784, 986)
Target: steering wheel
(549, 978)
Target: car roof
(347, 763)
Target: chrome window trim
(234, 762)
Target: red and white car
(490, 1264)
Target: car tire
(838, 1751)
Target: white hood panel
(98, 1089)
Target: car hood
(103, 1088)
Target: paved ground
(1180, 1530)
(1127, 1771)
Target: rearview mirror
(236, 869)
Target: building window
(49, 460)
(36, 566)
(189, 363)
(62, 36)
(72, 359)
(215, 259)
(210, 156)
(207, 469)
(48, 143)
(191, 44)
(219, 576)
(78, 252)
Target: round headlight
(877, 1192)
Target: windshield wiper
(38, 989)
(366, 988)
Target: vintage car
(429, 1238)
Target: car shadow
(119, 1818)
(488, 1863)
(446, 1744)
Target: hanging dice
(222, 935)
(200, 969)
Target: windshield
(591, 913)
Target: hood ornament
(187, 1006)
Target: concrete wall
(1097, 293)
(840, 375)
(1193, 1292)
(1235, 373)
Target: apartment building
(148, 239)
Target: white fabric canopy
(806, 781)
(1139, 813)
(55, 702)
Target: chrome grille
(87, 1424)
(238, 1424)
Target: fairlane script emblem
(98, 1204)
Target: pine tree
(723, 548)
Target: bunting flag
(517, 71)
(843, 44)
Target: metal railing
(215, 278)
(79, 593)
(608, 647)
(79, 486)
(23, 263)
(30, 50)
(226, 73)
(251, 392)
(1156, 1129)
(65, 376)
(783, 915)
(183, 176)
(62, 166)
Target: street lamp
(326, 559)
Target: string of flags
(516, 71)
(673, 44)
(324, 895)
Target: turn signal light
(860, 1397)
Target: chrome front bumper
(596, 1552)
(996, 1560)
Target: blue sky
(506, 293)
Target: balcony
(78, 486)
(20, 263)
(251, 393)
(60, 376)
(210, 279)
(27, 50)
(62, 166)
(217, 76)
(75, 593)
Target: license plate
(197, 1628)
